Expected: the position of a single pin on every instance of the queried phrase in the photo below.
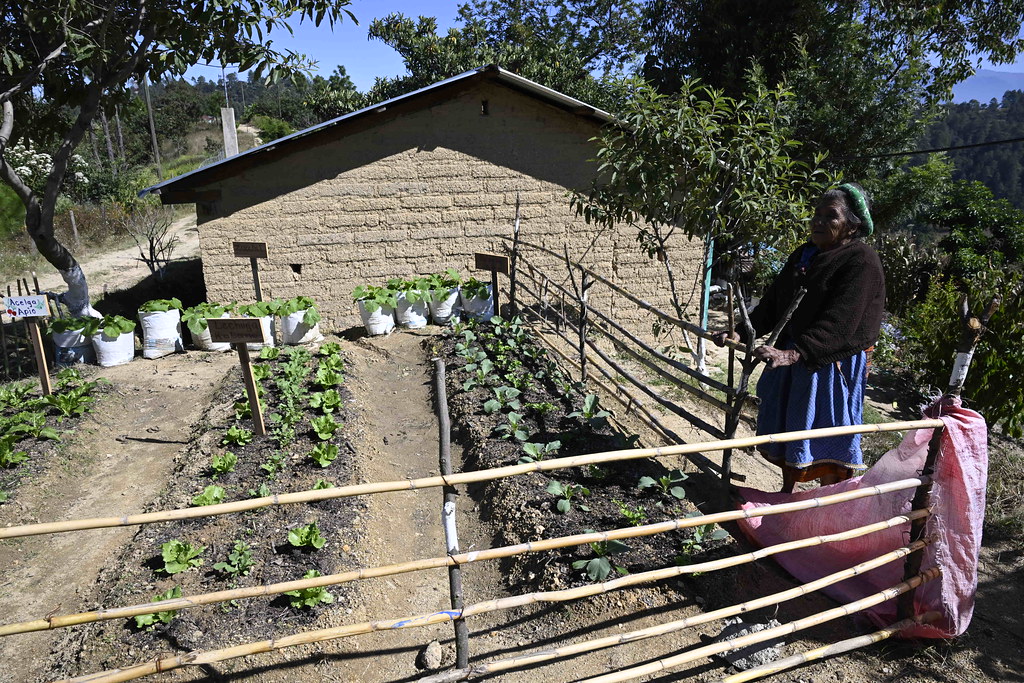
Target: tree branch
(8, 174)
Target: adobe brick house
(412, 186)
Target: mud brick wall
(418, 191)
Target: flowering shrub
(33, 167)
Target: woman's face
(829, 227)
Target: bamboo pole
(682, 367)
(456, 560)
(664, 402)
(922, 497)
(769, 633)
(690, 327)
(322, 635)
(484, 475)
(539, 656)
(841, 647)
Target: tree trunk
(120, 133)
(40, 228)
(110, 141)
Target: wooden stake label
(251, 249)
(491, 262)
(27, 306)
(236, 330)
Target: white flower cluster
(33, 166)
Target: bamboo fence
(839, 648)
(537, 657)
(460, 478)
(770, 633)
(198, 658)
(456, 560)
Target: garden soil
(122, 457)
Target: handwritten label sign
(251, 249)
(492, 262)
(27, 306)
(236, 330)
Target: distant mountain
(986, 85)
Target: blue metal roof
(496, 72)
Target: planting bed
(276, 463)
(488, 364)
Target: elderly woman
(816, 372)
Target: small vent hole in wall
(297, 268)
(485, 108)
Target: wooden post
(922, 499)
(495, 263)
(31, 308)
(512, 303)
(253, 251)
(239, 332)
(729, 424)
(74, 226)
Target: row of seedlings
(513, 403)
(304, 397)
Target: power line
(936, 149)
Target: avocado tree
(60, 60)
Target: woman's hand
(720, 337)
(776, 358)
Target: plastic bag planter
(300, 321)
(444, 306)
(411, 311)
(113, 339)
(477, 301)
(71, 345)
(195, 318)
(379, 321)
(161, 328)
(264, 310)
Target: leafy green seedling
(261, 371)
(151, 620)
(73, 401)
(9, 457)
(262, 492)
(636, 515)
(327, 377)
(179, 556)
(325, 426)
(243, 410)
(330, 349)
(324, 454)
(535, 452)
(666, 485)
(309, 597)
(274, 464)
(699, 536)
(599, 567)
(211, 495)
(270, 353)
(239, 562)
(4, 496)
(322, 484)
(513, 428)
(222, 464)
(326, 401)
(567, 493)
(591, 412)
(236, 436)
(481, 374)
(306, 537)
(504, 397)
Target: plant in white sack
(410, 302)
(195, 318)
(376, 308)
(300, 321)
(264, 310)
(161, 327)
(71, 345)
(443, 296)
(113, 339)
(477, 299)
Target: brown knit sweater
(842, 310)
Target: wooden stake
(252, 389)
(547, 465)
(32, 326)
(256, 283)
(922, 497)
(841, 647)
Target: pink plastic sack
(958, 499)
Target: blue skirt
(794, 398)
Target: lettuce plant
(324, 454)
(179, 556)
(211, 495)
(158, 305)
(309, 597)
(306, 537)
(151, 620)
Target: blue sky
(363, 59)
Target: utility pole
(152, 129)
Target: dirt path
(115, 462)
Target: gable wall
(419, 193)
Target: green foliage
(195, 317)
(322, 484)
(271, 128)
(270, 353)
(475, 289)
(566, 493)
(414, 291)
(239, 562)
(224, 463)
(327, 377)
(699, 537)
(72, 401)
(666, 485)
(151, 620)
(306, 537)
(535, 452)
(157, 305)
(9, 455)
(243, 410)
(330, 349)
(513, 427)
(599, 567)
(112, 326)
(211, 495)
(375, 298)
(636, 515)
(440, 284)
(275, 463)
(504, 397)
(592, 412)
(324, 454)
(179, 556)
(261, 371)
(300, 303)
(236, 436)
(324, 427)
(326, 401)
(309, 597)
